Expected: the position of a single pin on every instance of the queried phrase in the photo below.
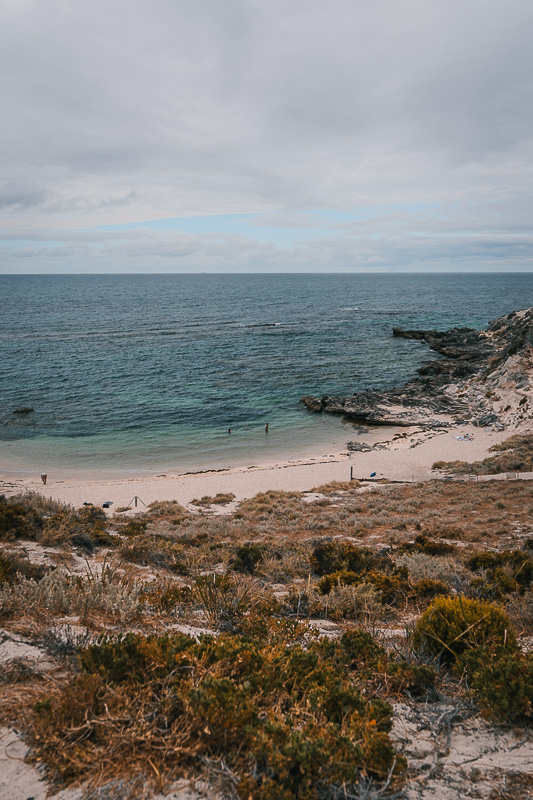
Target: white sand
(402, 459)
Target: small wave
(350, 308)
(261, 324)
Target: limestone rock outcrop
(483, 377)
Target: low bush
(359, 602)
(111, 593)
(453, 625)
(513, 455)
(502, 681)
(426, 587)
(227, 599)
(155, 551)
(519, 564)
(390, 588)
(247, 558)
(272, 502)
(167, 508)
(336, 486)
(166, 598)
(335, 556)
(219, 499)
(422, 544)
(18, 520)
(289, 722)
(13, 568)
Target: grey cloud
(121, 111)
(371, 249)
(15, 196)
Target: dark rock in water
(312, 403)
(23, 410)
(473, 368)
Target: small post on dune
(351, 473)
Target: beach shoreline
(457, 409)
(407, 456)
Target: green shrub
(333, 556)
(518, 563)
(370, 660)
(156, 551)
(495, 586)
(134, 527)
(135, 658)
(290, 722)
(361, 649)
(247, 558)
(391, 588)
(452, 625)
(427, 587)
(422, 544)
(502, 681)
(166, 598)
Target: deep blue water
(146, 372)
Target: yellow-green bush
(289, 721)
(502, 681)
(452, 625)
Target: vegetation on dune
(286, 716)
(478, 640)
(219, 499)
(453, 625)
(267, 703)
(513, 455)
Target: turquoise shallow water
(148, 372)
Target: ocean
(146, 373)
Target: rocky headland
(482, 377)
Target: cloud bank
(392, 135)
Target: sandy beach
(398, 455)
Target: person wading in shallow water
(44, 478)
(266, 428)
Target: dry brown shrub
(336, 486)
(219, 499)
(167, 508)
(513, 455)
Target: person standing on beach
(44, 478)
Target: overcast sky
(266, 135)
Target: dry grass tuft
(336, 486)
(218, 500)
